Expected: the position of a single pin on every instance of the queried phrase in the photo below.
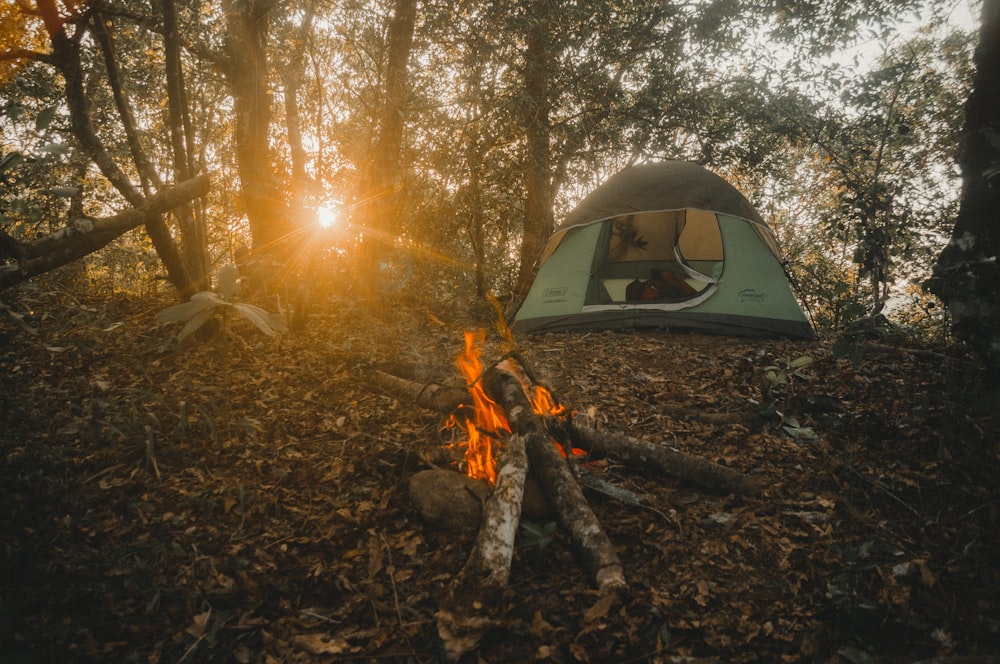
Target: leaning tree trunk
(967, 275)
(66, 57)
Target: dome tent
(665, 245)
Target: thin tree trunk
(477, 232)
(292, 79)
(195, 240)
(381, 199)
(246, 70)
(538, 156)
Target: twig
(879, 485)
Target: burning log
(572, 510)
(643, 454)
(502, 410)
(472, 602)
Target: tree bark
(192, 228)
(967, 275)
(380, 201)
(538, 153)
(245, 67)
(66, 57)
(431, 396)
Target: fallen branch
(426, 395)
(642, 454)
(697, 414)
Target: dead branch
(642, 454)
(689, 413)
(431, 396)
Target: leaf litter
(244, 499)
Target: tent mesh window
(663, 256)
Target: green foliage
(784, 369)
(626, 82)
(206, 305)
(776, 381)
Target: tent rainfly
(665, 245)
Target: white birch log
(473, 602)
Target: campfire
(487, 425)
(514, 426)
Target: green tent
(666, 245)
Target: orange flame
(543, 403)
(487, 420)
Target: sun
(327, 215)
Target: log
(573, 512)
(642, 454)
(473, 601)
(426, 395)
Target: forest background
(443, 139)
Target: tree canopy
(464, 129)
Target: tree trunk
(380, 201)
(246, 71)
(538, 156)
(967, 275)
(477, 221)
(193, 232)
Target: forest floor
(244, 499)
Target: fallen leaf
(320, 644)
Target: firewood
(643, 454)
(426, 395)
(473, 600)
(572, 510)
